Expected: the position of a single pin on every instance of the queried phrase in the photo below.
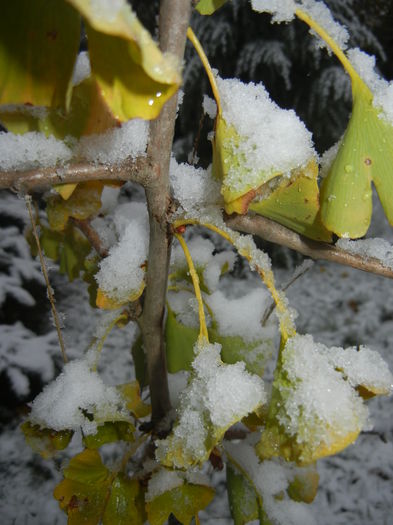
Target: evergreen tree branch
(40, 179)
(174, 19)
(273, 232)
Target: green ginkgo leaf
(46, 441)
(208, 7)
(295, 204)
(135, 77)
(183, 502)
(179, 343)
(109, 432)
(243, 500)
(125, 505)
(255, 141)
(365, 154)
(38, 45)
(91, 494)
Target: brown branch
(91, 235)
(273, 232)
(174, 19)
(139, 170)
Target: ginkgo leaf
(243, 500)
(38, 45)
(255, 141)
(135, 77)
(106, 302)
(87, 114)
(131, 393)
(180, 340)
(46, 441)
(109, 432)
(84, 203)
(91, 494)
(208, 7)
(304, 486)
(217, 396)
(183, 502)
(179, 343)
(125, 505)
(315, 410)
(365, 154)
(295, 204)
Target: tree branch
(273, 232)
(174, 19)
(139, 170)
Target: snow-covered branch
(273, 232)
(139, 170)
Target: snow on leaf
(135, 78)
(217, 396)
(121, 275)
(255, 141)
(315, 409)
(78, 398)
(184, 502)
(131, 393)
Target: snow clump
(77, 391)
(121, 274)
(374, 247)
(273, 141)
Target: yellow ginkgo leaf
(255, 141)
(184, 502)
(106, 302)
(295, 204)
(217, 396)
(38, 45)
(315, 410)
(84, 202)
(135, 77)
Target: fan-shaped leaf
(135, 78)
(184, 502)
(46, 441)
(295, 204)
(38, 45)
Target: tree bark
(174, 20)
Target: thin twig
(91, 235)
(273, 232)
(40, 179)
(46, 277)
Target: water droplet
(331, 197)
(348, 168)
(345, 205)
(158, 94)
(151, 102)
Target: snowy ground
(338, 306)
